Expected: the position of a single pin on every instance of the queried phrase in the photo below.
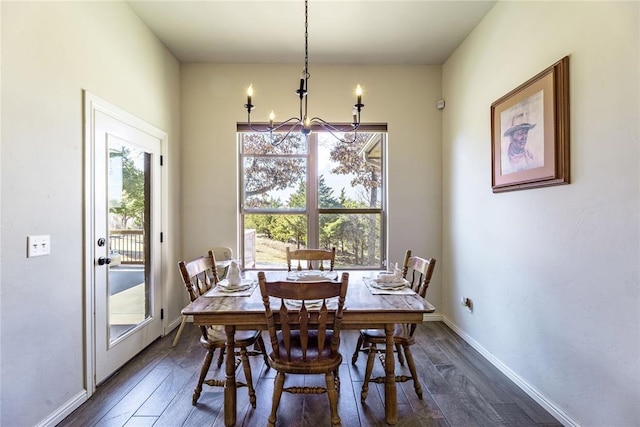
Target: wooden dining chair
(199, 276)
(418, 272)
(315, 258)
(221, 253)
(304, 340)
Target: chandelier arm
(294, 120)
(333, 130)
(326, 125)
(276, 142)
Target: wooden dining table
(363, 310)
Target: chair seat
(298, 363)
(401, 335)
(216, 337)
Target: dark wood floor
(460, 389)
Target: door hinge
(161, 160)
(161, 237)
(162, 314)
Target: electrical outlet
(38, 246)
(466, 302)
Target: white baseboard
(547, 404)
(62, 412)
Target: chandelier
(302, 121)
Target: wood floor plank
(454, 410)
(348, 396)
(478, 375)
(141, 421)
(460, 389)
(513, 415)
(115, 388)
(164, 394)
(126, 408)
(470, 397)
(179, 408)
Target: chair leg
(264, 351)
(354, 358)
(412, 369)
(221, 357)
(399, 351)
(246, 366)
(333, 398)
(368, 371)
(203, 374)
(277, 393)
(184, 322)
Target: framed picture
(530, 132)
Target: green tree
(130, 210)
(365, 174)
(326, 199)
(264, 173)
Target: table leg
(390, 397)
(230, 378)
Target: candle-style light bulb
(271, 117)
(249, 94)
(359, 94)
(303, 77)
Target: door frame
(92, 103)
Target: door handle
(102, 260)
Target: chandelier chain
(303, 122)
(306, 39)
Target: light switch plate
(38, 246)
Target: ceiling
(340, 31)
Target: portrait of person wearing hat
(518, 154)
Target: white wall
(402, 96)
(554, 272)
(51, 51)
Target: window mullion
(313, 232)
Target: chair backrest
(307, 326)
(315, 258)
(222, 253)
(418, 272)
(199, 275)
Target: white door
(125, 243)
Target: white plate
(312, 303)
(312, 275)
(389, 286)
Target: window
(316, 192)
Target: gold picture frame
(530, 132)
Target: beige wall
(404, 97)
(554, 272)
(51, 51)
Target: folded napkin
(224, 288)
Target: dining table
(364, 308)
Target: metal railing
(128, 244)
